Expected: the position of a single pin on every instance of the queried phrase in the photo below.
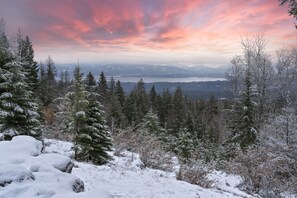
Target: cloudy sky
(146, 31)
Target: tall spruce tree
(26, 53)
(47, 90)
(242, 122)
(178, 109)
(74, 104)
(85, 119)
(97, 129)
(130, 108)
(151, 126)
(19, 111)
(103, 88)
(112, 87)
(142, 99)
(165, 108)
(119, 91)
(5, 53)
(183, 146)
(90, 82)
(153, 97)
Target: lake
(171, 80)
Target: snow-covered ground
(33, 174)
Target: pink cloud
(214, 26)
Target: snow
(26, 172)
(6, 95)
(18, 109)
(126, 178)
(57, 146)
(36, 174)
(80, 113)
(10, 173)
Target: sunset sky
(146, 31)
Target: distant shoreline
(166, 79)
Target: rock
(60, 162)
(14, 173)
(78, 186)
(69, 167)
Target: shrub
(194, 172)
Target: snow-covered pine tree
(183, 145)
(19, 111)
(5, 54)
(97, 129)
(242, 123)
(26, 53)
(73, 110)
(84, 118)
(150, 125)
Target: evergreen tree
(116, 116)
(150, 125)
(26, 53)
(178, 111)
(97, 129)
(19, 112)
(130, 108)
(165, 108)
(142, 100)
(90, 81)
(292, 7)
(242, 123)
(84, 118)
(103, 88)
(111, 86)
(212, 127)
(42, 84)
(5, 54)
(47, 90)
(120, 93)
(183, 145)
(153, 97)
(74, 105)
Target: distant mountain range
(148, 70)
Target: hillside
(41, 175)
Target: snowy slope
(26, 172)
(124, 178)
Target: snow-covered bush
(270, 167)
(194, 172)
(265, 172)
(154, 156)
(151, 151)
